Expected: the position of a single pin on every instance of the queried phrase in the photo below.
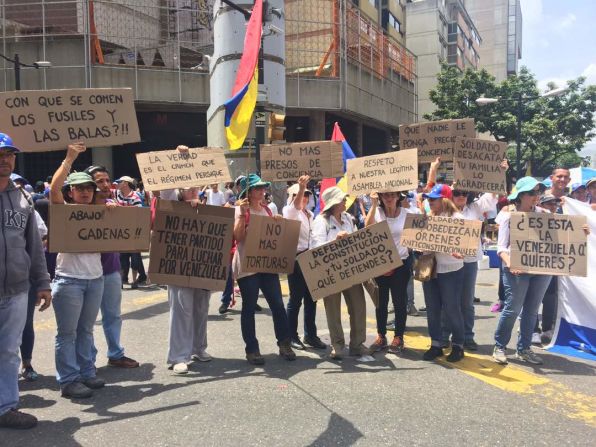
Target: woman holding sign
(77, 291)
(443, 293)
(252, 194)
(334, 223)
(387, 206)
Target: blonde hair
(447, 206)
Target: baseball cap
(577, 186)
(126, 178)
(79, 178)
(16, 177)
(549, 198)
(6, 143)
(438, 192)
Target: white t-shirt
(273, 207)
(475, 211)
(396, 225)
(236, 264)
(306, 219)
(215, 198)
(445, 262)
(79, 265)
(326, 230)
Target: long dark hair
(400, 197)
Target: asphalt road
(313, 401)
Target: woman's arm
(370, 217)
(240, 222)
(63, 170)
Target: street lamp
(482, 101)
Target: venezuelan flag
(240, 107)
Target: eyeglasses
(460, 193)
(83, 188)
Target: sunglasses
(460, 193)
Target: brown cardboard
(190, 247)
(435, 138)
(548, 244)
(477, 165)
(49, 120)
(441, 234)
(394, 171)
(270, 245)
(318, 159)
(99, 229)
(171, 169)
(340, 264)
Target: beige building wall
(370, 10)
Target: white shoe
(500, 355)
(536, 340)
(202, 356)
(180, 368)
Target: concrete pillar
(103, 156)
(316, 125)
(360, 140)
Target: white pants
(189, 309)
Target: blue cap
(16, 177)
(577, 186)
(525, 184)
(6, 143)
(439, 191)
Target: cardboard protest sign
(435, 138)
(548, 244)
(190, 247)
(46, 120)
(441, 234)
(96, 228)
(395, 171)
(340, 264)
(318, 159)
(171, 169)
(270, 245)
(477, 165)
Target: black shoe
(295, 343)
(142, 279)
(471, 345)
(476, 300)
(94, 383)
(432, 353)
(456, 354)
(258, 308)
(422, 309)
(134, 285)
(224, 308)
(16, 419)
(76, 390)
(314, 342)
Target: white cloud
(590, 74)
(567, 22)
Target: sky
(559, 42)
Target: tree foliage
(554, 129)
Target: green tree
(554, 129)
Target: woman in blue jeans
(252, 194)
(443, 293)
(77, 291)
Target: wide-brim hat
(252, 181)
(79, 178)
(333, 196)
(525, 184)
(293, 190)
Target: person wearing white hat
(332, 224)
(297, 209)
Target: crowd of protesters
(80, 286)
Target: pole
(17, 86)
(518, 138)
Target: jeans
(397, 284)
(268, 283)
(226, 296)
(76, 305)
(13, 313)
(28, 331)
(549, 307)
(111, 320)
(522, 293)
(443, 294)
(467, 303)
(298, 292)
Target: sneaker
(76, 390)
(314, 342)
(471, 345)
(258, 308)
(445, 344)
(546, 337)
(335, 353)
(94, 383)
(29, 374)
(497, 307)
(390, 326)
(500, 356)
(456, 354)
(397, 345)
(180, 368)
(527, 355)
(224, 308)
(285, 351)
(422, 309)
(123, 362)
(15, 419)
(412, 311)
(432, 353)
(255, 358)
(536, 339)
(201, 356)
(295, 343)
(361, 351)
(379, 344)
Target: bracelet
(66, 164)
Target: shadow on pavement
(339, 431)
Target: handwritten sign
(548, 244)
(172, 169)
(395, 171)
(318, 159)
(435, 138)
(270, 245)
(190, 247)
(97, 229)
(340, 264)
(441, 234)
(46, 120)
(477, 165)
